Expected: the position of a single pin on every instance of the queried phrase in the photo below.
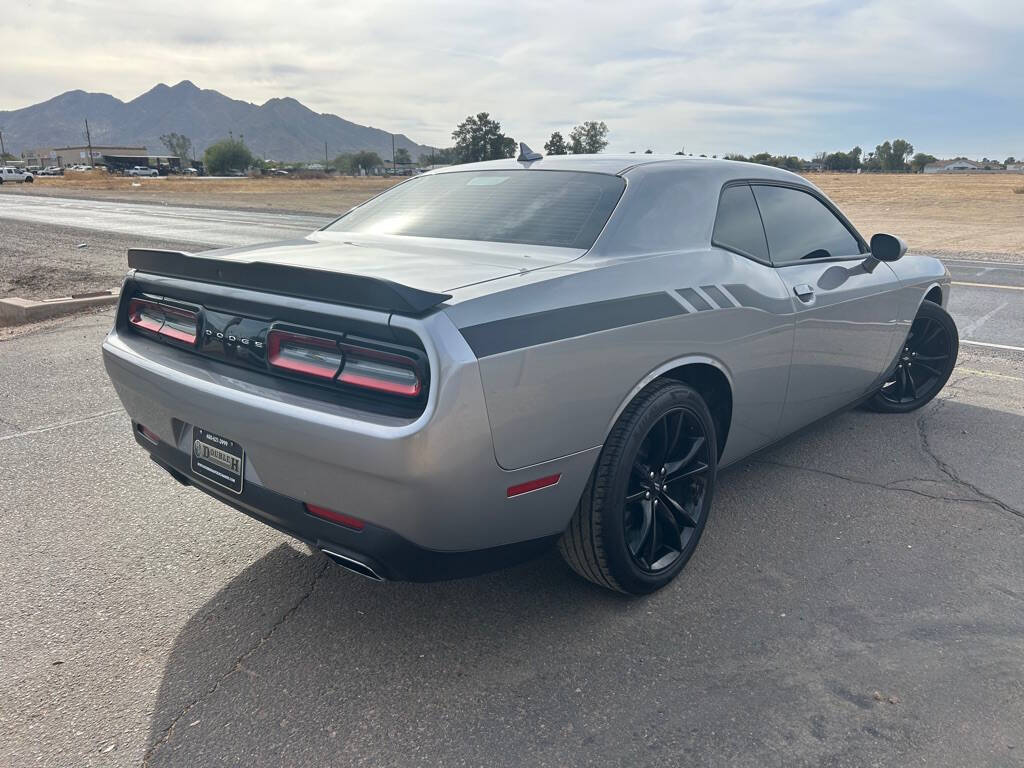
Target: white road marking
(973, 326)
(990, 344)
(51, 427)
(991, 285)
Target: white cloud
(712, 76)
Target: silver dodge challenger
(490, 359)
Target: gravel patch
(45, 261)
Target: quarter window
(799, 226)
(738, 224)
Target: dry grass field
(971, 213)
(962, 213)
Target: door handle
(803, 291)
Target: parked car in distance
(190, 171)
(493, 358)
(143, 170)
(9, 175)
(53, 170)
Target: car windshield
(553, 208)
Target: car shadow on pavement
(816, 623)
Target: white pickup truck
(143, 170)
(8, 174)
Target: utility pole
(326, 163)
(2, 150)
(88, 139)
(394, 166)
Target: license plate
(217, 459)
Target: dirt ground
(968, 213)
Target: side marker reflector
(533, 485)
(335, 517)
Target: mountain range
(280, 129)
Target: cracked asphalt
(857, 600)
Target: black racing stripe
(511, 333)
(694, 298)
(717, 296)
(748, 297)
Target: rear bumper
(387, 554)
(431, 482)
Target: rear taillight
(380, 371)
(344, 362)
(163, 319)
(307, 355)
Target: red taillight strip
(275, 356)
(533, 485)
(380, 384)
(157, 319)
(335, 517)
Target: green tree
(227, 155)
(366, 160)
(588, 138)
(892, 156)
(1009, 160)
(648, 151)
(478, 137)
(556, 144)
(179, 146)
(343, 163)
(920, 160)
(402, 156)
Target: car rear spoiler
(302, 282)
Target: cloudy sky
(789, 76)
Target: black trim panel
(499, 336)
(303, 282)
(391, 556)
(717, 296)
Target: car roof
(622, 165)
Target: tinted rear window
(738, 225)
(554, 208)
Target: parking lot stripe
(990, 285)
(990, 344)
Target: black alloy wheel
(925, 362)
(665, 496)
(647, 502)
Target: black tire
(28, 180)
(925, 365)
(605, 541)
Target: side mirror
(887, 247)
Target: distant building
(1019, 167)
(948, 166)
(63, 156)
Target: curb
(16, 311)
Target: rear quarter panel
(548, 397)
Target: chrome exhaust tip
(353, 565)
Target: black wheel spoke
(672, 522)
(683, 516)
(910, 382)
(930, 358)
(933, 371)
(652, 537)
(634, 497)
(696, 469)
(673, 469)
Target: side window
(738, 224)
(799, 226)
